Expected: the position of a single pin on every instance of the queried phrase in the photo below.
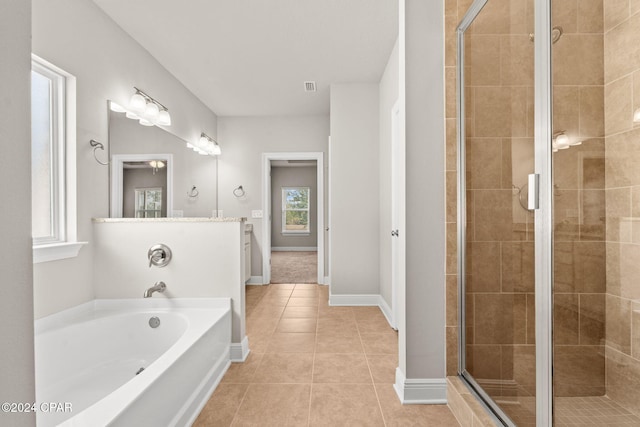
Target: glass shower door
(596, 203)
(496, 239)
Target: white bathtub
(88, 357)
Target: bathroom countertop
(226, 219)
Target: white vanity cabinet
(247, 252)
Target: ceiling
(252, 57)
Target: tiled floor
(592, 411)
(311, 365)
(572, 411)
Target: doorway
(294, 240)
(293, 218)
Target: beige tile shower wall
(499, 121)
(621, 98)
(454, 9)
(579, 200)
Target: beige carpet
(294, 267)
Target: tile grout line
(313, 362)
(373, 384)
(239, 405)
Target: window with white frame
(52, 174)
(295, 210)
(148, 202)
(47, 155)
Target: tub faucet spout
(158, 287)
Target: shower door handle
(533, 199)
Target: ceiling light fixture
(145, 109)
(155, 165)
(636, 115)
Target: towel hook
(194, 192)
(97, 145)
(239, 192)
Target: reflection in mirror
(136, 155)
(141, 185)
(144, 189)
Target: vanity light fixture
(145, 109)
(636, 115)
(561, 141)
(206, 146)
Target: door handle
(395, 233)
(533, 201)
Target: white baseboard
(255, 280)
(294, 249)
(420, 391)
(363, 299)
(388, 313)
(372, 300)
(239, 351)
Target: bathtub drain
(139, 370)
(154, 322)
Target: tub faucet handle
(159, 255)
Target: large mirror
(154, 175)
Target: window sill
(296, 233)
(56, 251)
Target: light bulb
(145, 122)
(137, 103)
(156, 164)
(636, 116)
(562, 141)
(151, 112)
(203, 142)
(164, 118)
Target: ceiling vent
(310, 86)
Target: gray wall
(354, 191)
(245, 139)
(142, 178)
(16, 304)
(423, 92)
(79, 38)
(293, 177)
(389, 88)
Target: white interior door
(397, 212)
